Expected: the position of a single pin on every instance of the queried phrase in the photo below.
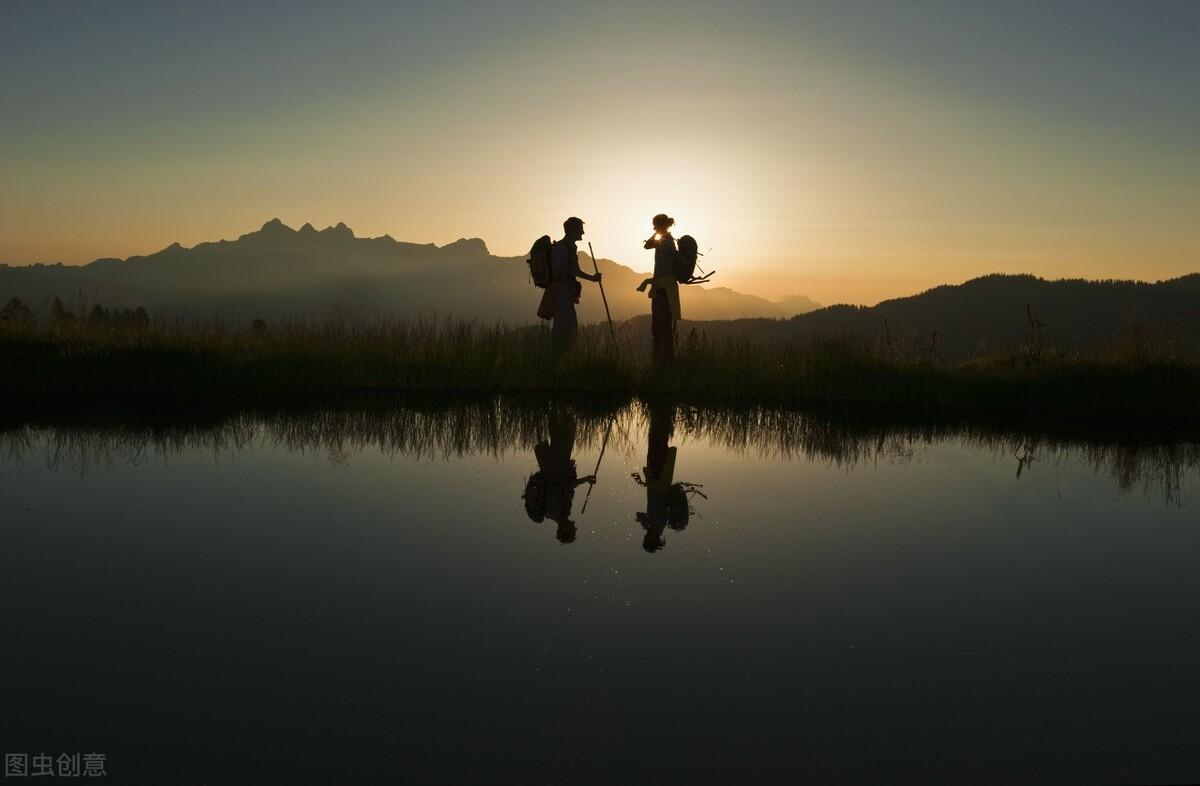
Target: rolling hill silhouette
(278, 271)
(988, 313)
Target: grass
(70, 359)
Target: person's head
(662, 223)
(573, 227)
(566, 531)
(653, 541)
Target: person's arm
(579, 271)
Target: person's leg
(556, 331)
(566, 323)
(660, 328)
(570, 324)
(669, 342)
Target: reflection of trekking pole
(592, 485)
(611, 329)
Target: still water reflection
(374, 592)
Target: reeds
(69, 359)
(85, 439)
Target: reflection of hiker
(666, 500)
(664, 290)
(555, 266)
(550, 492)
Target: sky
(848, 151)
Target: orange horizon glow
(819, 156)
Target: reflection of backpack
(685, 260)
(535, 497)
(539, 261)
(678, 509)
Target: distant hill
(988, 313)
(282, 272)
(798, 304)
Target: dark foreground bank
(73, 361)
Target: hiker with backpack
(555, 267)
(672, 266)
(664, 290)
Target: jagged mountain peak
(272, 230)
(275, 225)
(341, 231)
(470, 245)
(276, 230)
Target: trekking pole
(592, 485)
(607, 313)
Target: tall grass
(69, 359)
(859, 370)
(297, 357)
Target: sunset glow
(818, 149)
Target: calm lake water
(388, 593)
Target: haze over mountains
(278, 271)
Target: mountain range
(280, 272)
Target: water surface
(382, 592)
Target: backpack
(678, 508)
(539, 261)
(535, 497)
(685, 260)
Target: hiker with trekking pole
(554, 266)
(672, 266)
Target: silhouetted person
(664, 290)
(564, 287)
(666, 500)
(550, 492)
